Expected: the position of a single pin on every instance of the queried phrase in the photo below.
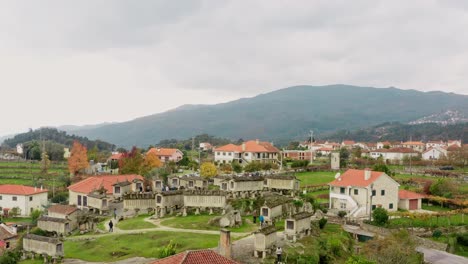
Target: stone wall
(142, 204)
(43, 245)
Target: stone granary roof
(281, 177)
(52, 240)
(62, 209)
(302, 215)
(204, 256)
(6, 233)
(247, 178)
(276, 200)
(204, 192)
(169, 193)
(267, 230)
(122, 184)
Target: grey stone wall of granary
(205, 198)
(43, 245)
(132, 204)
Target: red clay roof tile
(355, 178)
(20, 189)
(205, 256)
(96, 182)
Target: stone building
(120, 188)
(297, 226)
(193, 182)
(8, 237)
(243, 184)
(43, 245)
(168, 201)
(221, 178)
(281, 183)
(204, 199)
(273, 207)
(264, 241)
(335, 160)
(173, 181)
(61, 219)
(139, 201)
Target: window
(190, 183)
(85, 200)
(356, 192)
(224, 153)
(390, 206)
(224, 186)
(14, 198)
(374, 206)
(79, 199)
(342, 190)
(217, 153)
(382, 192)
(343, 205)
(158, 199)
(246, 154)
(265, 211)
(30, 198)
(117, 189)
(232, 185)
(290, 225)
(158, 184)
(0, 197)
(374, 192)
(174, 181)
(265, 182)
(230, 153)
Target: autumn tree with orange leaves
(134, 162)
(78, 158)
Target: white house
(167, 154)
(19, 148)
(434, 153)
(26, 198)
(415, 145)
(359, 191)
(205, 146)
(454, 142)
(435, 144)
(253, 150)
(397, 154)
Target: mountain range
(281, 115)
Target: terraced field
(29, 173)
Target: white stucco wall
(23, 202)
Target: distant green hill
(283, 115)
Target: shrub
(322, 223)
(168, 250)
(437, 233)
(342, 214)
(380, 216)
(60, 197)
(462, 239)
(35, 215)
(358, 260)
(442, 187)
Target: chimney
(35, 189)
(243, 146)
(224, 247)
(367, 174)
(41, 188)
(257, 141)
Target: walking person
(111, 226)
(254, 217)
(279, 252)
(115, 213)
(262, 219)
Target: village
(247, 203)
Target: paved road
(441, 257)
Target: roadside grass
(430, 222)
(117, 247)
(435, 208)
(137, 222)
(200, 222)
(32, 261)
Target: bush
(342, 214)
(299, 164)
(322, 223)
(380, 216)
(35, 215)
(60, 197)
(168, 250)
(462, 239)
(437, 233)
(358, 260)
(442, 187)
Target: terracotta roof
(413, 143)
(348, 142)
(404, 194)
(205, 256)
(163, 151)
(116, 156)
(356, 178)
(6, 233)
(96, 182)
(20, 189)
(325, 149)
(386, 143)
(62, 209)
(453, 148)
(250, 146)
(396, 150)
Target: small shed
(120, 188)
(408, 200)
(297, 226)
(273, 207)
(264, 241)
(8, 236)
(193, 182)
(171, 200)
(54, 224)
(245, 183)
(173, 181)
(49, 246)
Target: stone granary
(282, 183)
(120, 188)
(201, 199)
(193, 182)
(220, 178)
(243, 186)
(8, 237)
(48, 246)
(139, 201)
(297, 226)
(173, 181)
(60, 219)
(168, 201)
(158, 184)
(264, 241)
(274, 207)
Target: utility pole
(310, 145)
(410, 159)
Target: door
(413, 204)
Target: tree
(131, 162)
(382, 168)
(226, 168)
(78, 158)
(253, 166)
(236, 167)
(380, 216)
(151, 161)
(344, 157)
(208, 170)
(443, 187)
(45, 163)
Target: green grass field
(315, 178)
(135, 223)
(433, 221)
(201, 222)
(29, 173)
(25, 220)
(118, 247)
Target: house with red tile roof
(348, 143)
(393, 154)
(252, 150)
(415, 145)
(167, 154)
(409, 200)
(204, 256)
(324, 151)
(25, 198)
(359, 191)
(60, 218)
(95, 192)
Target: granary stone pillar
(224, 211)
(225, 246)
(211, 210)
(156, 213)
(163, 212)
(184, 211)
(45, 258)
(197, 211)
(171, 210)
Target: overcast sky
(84, 62)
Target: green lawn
(435, 208)
(135, 223)
(32, 261)
(201, 222)
(117, 247)
(315, 178)
(26, 220)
